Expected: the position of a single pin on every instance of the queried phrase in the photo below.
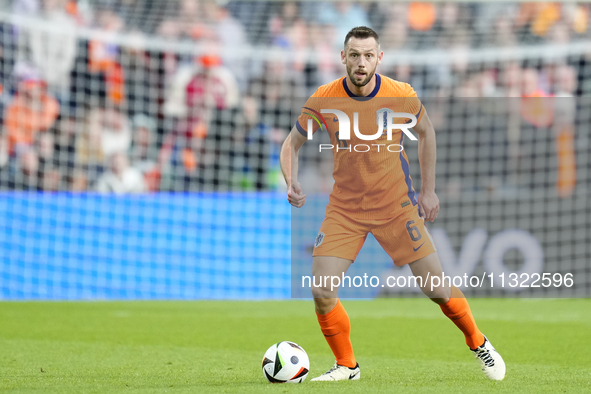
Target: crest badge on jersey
(382, 115)
(319, 239)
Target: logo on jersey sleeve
(319, 239)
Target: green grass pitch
(402, 345)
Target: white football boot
(490, 360)
(339, 372)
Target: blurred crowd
(81, 109)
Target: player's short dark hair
(362, 32)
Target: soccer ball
(286, 362)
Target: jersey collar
(369, 96)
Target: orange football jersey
(372, 177)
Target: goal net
(140, 141)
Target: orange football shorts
(404, 237)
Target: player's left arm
(428, 201)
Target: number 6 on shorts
(413, 231)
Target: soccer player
(373, 192)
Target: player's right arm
(289, 167)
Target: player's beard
(364, 82)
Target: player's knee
(324, 305)
(323, 293)
(324, 299)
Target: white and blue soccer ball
(286, 362)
